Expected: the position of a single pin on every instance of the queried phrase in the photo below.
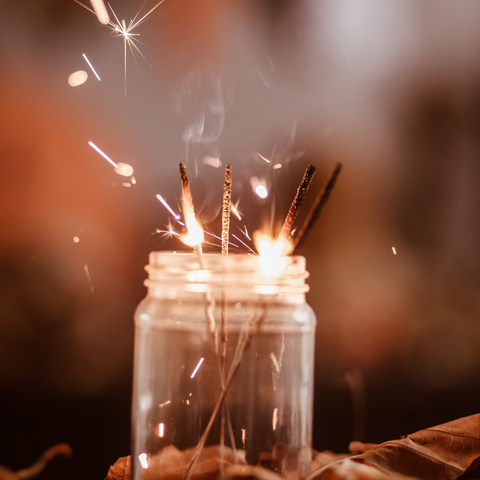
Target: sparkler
(316, 208)
(297, 201)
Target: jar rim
(235, 270)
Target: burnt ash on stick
(316, 208)
(297, 201)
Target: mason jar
(223, 367)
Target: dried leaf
(443, 452)
(121, 469)
(171, 464)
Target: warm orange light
(272, 252)
(195, 233)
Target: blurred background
(388, 88)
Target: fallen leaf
(443, 452)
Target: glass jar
(223, 367)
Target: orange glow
(272, 252)
(195, 233)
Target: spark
(87, 274)
(219, 238)
(164, 404)
(197, 367)
(261, 191)
(235, 211)
(274, 419)
(143, 460)
(263, 158)
(161, 430)
(120, 29)
(77, 78)
(244, 436)
(126, 184)
(103, 154)
(91, 66)
(133, 180)
(167, 206)
(168, 232)
(243, 243)
(76, 239)
(394, 250)
(100, 11)
(277, 166)
(246, 233)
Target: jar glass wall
(223, 371)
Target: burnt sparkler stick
(316, 208)
(227, 202)
(297, 201)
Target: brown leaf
(121, 469)
(171, 464)
(443, 452)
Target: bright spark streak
(161, 430)
(164, 404)
(394, 250)
(100, 11)
(243, 243)
(263, 158)
(219, 238)
(167, 206)
(103, 154)
(120, 29)
(244, 436)
(167, 232)
(197, 367)
(143, 460)
(235, 211)
(90, 65)
(246, 233)
(87, 273)
(277, 166)
(274, 419)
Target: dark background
(390, 89)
